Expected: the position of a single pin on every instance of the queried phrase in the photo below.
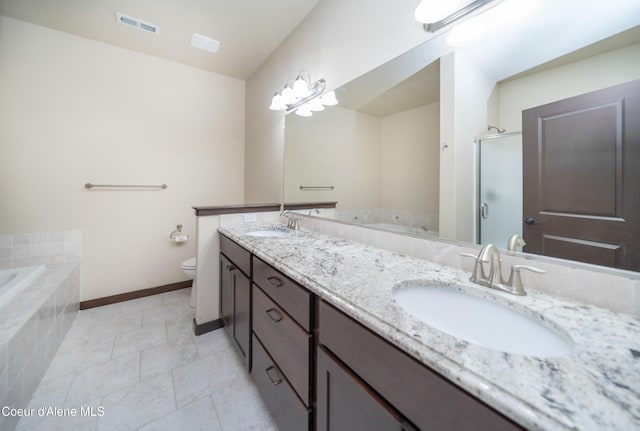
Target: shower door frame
(478, 215)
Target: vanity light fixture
(303, 96)
(467, 32)
(433, 13)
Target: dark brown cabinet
(317, 368)
(426, 399)
(346, 403)
(235, 296)
(282, 346)
(285, 406)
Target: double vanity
(341, 335)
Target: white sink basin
(480, 321)
(268, 233)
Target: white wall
(74, 111)
(336, 147)
(339, 40)
(410, 160)
(594, 73)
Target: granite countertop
(595, 387)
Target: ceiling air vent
(139, 24)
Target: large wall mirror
(401, 152)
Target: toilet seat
(189, 263)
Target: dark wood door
(346, 403)
(581, 185)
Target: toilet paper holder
(177, 235)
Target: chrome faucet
(293, 222)
(490, 253)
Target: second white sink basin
(480, 321)
(268, 233)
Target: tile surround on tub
(616, 290)
(33, 325)
(40, 248)
(34, 321)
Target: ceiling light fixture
(433, 13)
(205, 43)
(303, 96)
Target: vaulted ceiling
(248, 30)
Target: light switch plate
(248, 218)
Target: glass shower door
(500, 188)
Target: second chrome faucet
(490, 254)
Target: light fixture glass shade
(300, 88)
(329, 99)
(304, 111)
(511, 11)
(277, 103)
(430, 11)
(467, 32)
(288, 97)
(316, 105)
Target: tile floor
(139, 363)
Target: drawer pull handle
(231, 268)
(276, 381)
(275, 281)
(274, 315)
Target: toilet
(189, 268)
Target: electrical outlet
(248, 218)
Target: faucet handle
(515, 280)
(478, 274)
(473, 256)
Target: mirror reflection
(402, 150)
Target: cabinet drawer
(295, 300)
(236, 254)
(423, 396)
(287, 343)
(285, 407)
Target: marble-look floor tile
(167, 356)
(140, 362)
(76, 354)
(139, 304)
(240, 407)
(180, 327)
(82, 420)
(103, 379)
(138, 405)
(213, 342)
(197, 416)
(88, 328)
(138, 340)
(162, 313)
(205, 376)
(181, 296)
(50, 392)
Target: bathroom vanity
(330, 348)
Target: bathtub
(14, 279)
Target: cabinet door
(226, 293)
(346, 403)
(242, 313)
(235, 305)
